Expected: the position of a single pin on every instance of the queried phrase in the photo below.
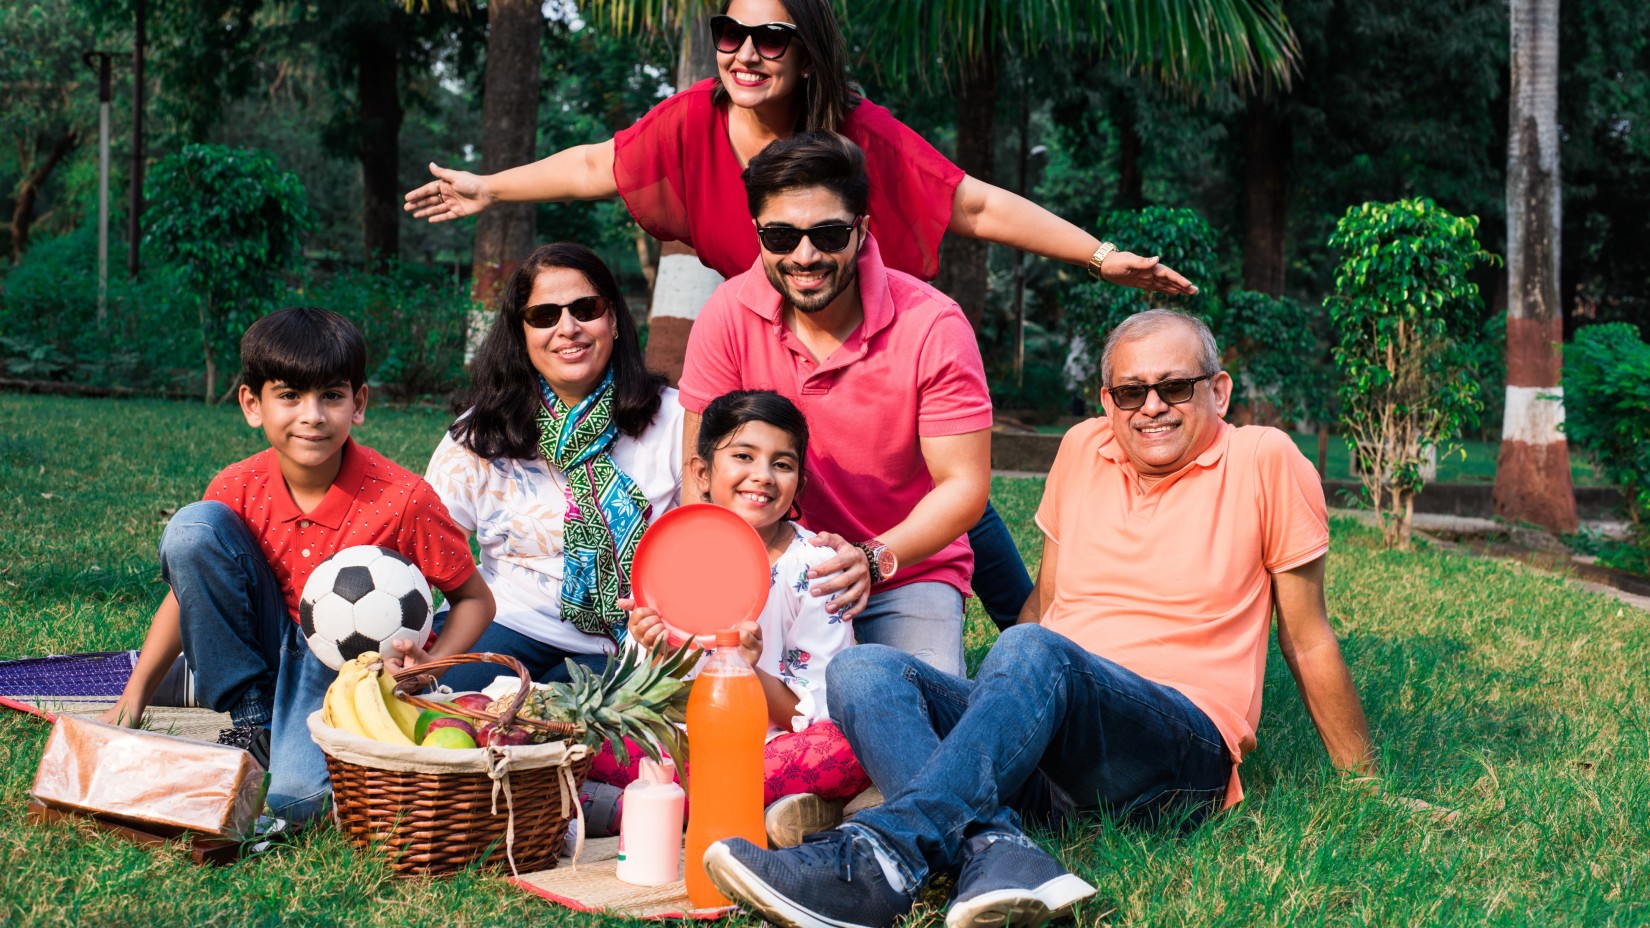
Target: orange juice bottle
(727, 721)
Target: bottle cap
(657, 771)
(727, 638)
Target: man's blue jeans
(1000, 577)
(952, 756)
(924, 620)
(248, 656)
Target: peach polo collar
(757, 294)
(1112, 451)
(335, 506)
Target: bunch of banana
(362, 702)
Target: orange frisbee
(703, 568)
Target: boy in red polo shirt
(237, 561)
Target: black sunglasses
(584, 309)
(1174, 392)
(831, 237)
(772, 39)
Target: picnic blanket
(586, 883)
(86, 685)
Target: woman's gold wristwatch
(1099, 258)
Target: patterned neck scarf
(606, 510)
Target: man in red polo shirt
(886, 369)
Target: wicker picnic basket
(435, 811)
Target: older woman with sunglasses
(565, 449)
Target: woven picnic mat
(590, 886)
(195, 724)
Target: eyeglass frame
(603, 304)
(718, 22)
(851, 226)
(1149, 388)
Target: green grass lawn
(1511, 696)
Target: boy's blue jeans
(954, 756)
(248, 656)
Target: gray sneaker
(831, 880)
(1004, 884)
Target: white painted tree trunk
(1532, 475)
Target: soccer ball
(362, 599)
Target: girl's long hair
(503, 400)
(827, 97)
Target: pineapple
(639, 695)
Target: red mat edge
(703, 915)
(36, 711)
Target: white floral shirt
(515, 508)
(799, 638)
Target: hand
(645, 626)
(452, 195)
(122, 714)
(407, 655)
(1127, 269)
(851, 587)
(750, 642)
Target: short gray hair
(1152, 321)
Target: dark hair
(729, 412)
(306, 348)
(808, 159)
(827, 97)
(504, 399)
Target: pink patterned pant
(815, 760)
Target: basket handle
(418, 677)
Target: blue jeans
(248, 656)
(1000, 577)
(545, 663)
(953, 755)
(924, 620)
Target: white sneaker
(793, 817)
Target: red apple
(450, 722)
(491, 734)
(472, 701)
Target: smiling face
(810, 279)
(307, 428)
(572, 356)
(753, 81)
(755, 472)
(1159, 438)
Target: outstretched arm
(1314, 658)
(583, 172)
(161, 647)
(993, 214)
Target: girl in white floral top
(749, 459)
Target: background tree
(1532, 475)
(233, 223)
(1406, 316)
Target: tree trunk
(1130, 187)
(1532, 475)
(510, 103)
(681, 284)
(964, 261)
(1267, 149)
(28, 191)
(379, 148)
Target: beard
(837, 278)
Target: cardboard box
(156, 782)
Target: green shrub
(1607, 409)
(1277, 352)
(232, 224)
(412, 317)
(1186, 243)
(1407, 317)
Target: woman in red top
(780, 70)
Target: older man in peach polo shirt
(1132, 684)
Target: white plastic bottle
(650, 834)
